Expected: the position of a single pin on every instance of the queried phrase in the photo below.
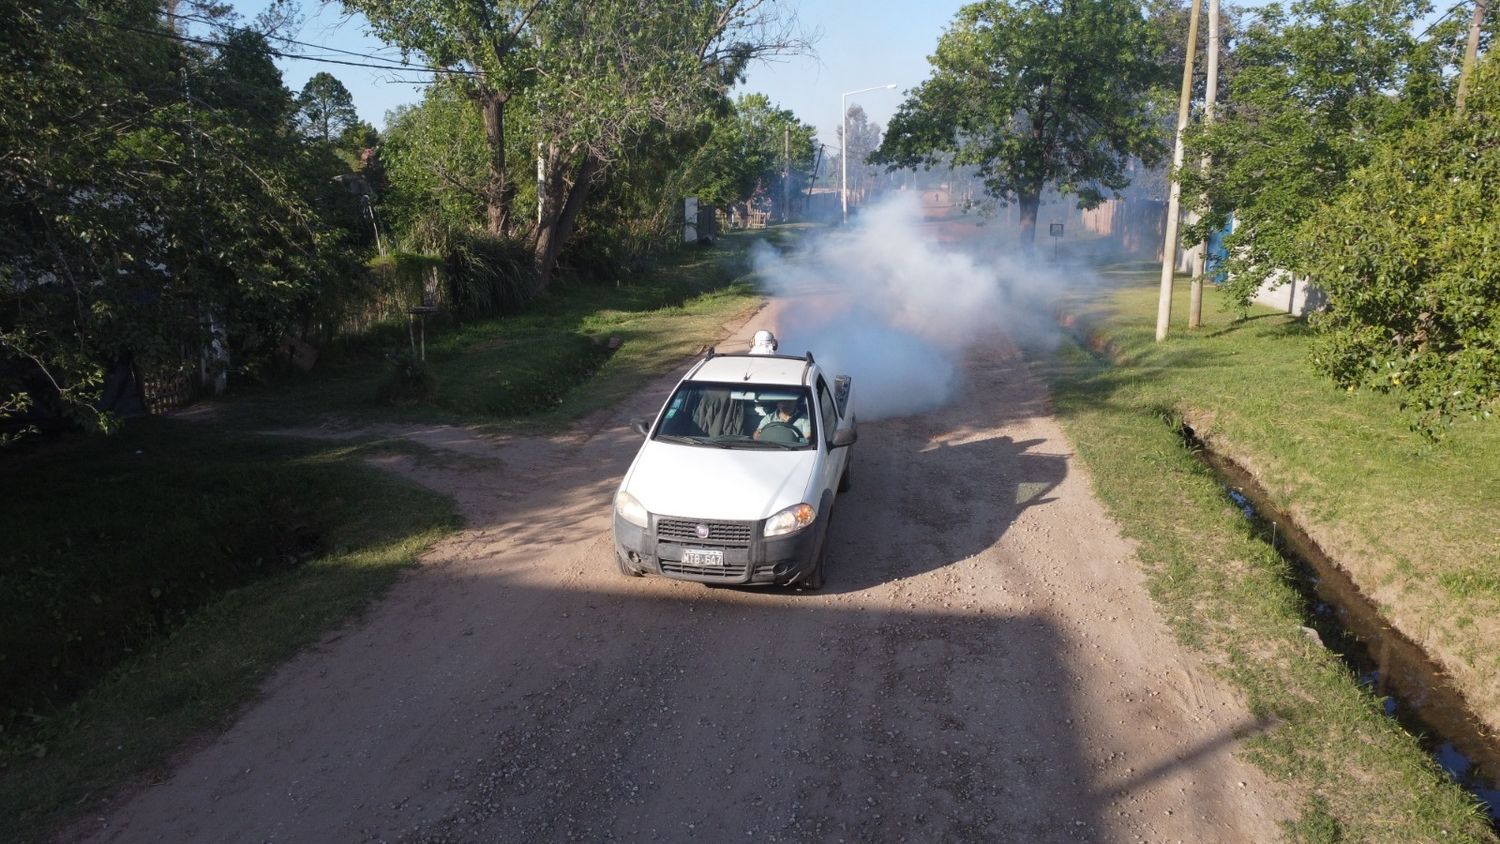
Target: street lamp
(844, 144)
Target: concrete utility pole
(786, 175)
(1210, 95)
(1174, 199)
(844, 144)
(1471, 54)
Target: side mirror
(841, 393)
(641, 426)
(843, 437)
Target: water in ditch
(1391, 666)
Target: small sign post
(1056, 230)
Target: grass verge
(531, 368)
(1341, 463)
(160, 577)
(167, 570)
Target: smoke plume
(895, 301)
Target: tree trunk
(1028, 203)
(497, 188)
(559, 219)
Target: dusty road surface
(984, 665)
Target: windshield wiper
(686, 440)
(779, 444)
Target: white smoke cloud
(889, 303)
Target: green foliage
(408, 382)
(588, 82)
(137, 533)
(487, 275)
(1409, 254)
(745, 150)
(1036, 93)
(155, 204)
(1317, 87)
(435, 159)
(325, 109)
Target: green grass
(149, 581)
(1399, 514)
(530, 368)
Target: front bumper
(778, 560)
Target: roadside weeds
(193, 669)
(1224, 590)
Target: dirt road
(984, 665)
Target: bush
(408, 382)
(487, 275)
(1409, 254)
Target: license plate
(703, 558)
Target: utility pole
(1174, 198)
(1210, 95)
(786, 175)
(1471, 54)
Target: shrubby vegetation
(172, 212)
(1338, 156)
(1409, 253)
(159, 213)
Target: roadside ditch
(1410, 685)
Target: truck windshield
(739, 416)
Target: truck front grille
(728, 571)
(720, 534)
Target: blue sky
(859, 45)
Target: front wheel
(625, 568)
(814, 579)
(844, 482)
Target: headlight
(631, 510)
(793, 518)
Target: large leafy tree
(745, 151)
(595, 75)
(153, 205)
(436, 162)
(1409, 253)
(1037, 93)
(1317, 87)
(325, 109)
(862, 142)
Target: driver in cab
(789, 414)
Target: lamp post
(844, 143)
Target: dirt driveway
(984, 665)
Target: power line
(286, 40)
(188, 39)
(1430, 27)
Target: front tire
(625, 568)
(815, 578)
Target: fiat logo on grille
(701, 531)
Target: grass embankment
(1413, 524)
(525, 367)
(151, 580)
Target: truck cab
(737, 478)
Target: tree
(1037, 93)
(595, 75)
(437, 164)
(745, 150)
(863, 141)
(154, 205)
(1407, 253)
(1316, 89)
(325, 109)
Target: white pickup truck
(736, 480)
